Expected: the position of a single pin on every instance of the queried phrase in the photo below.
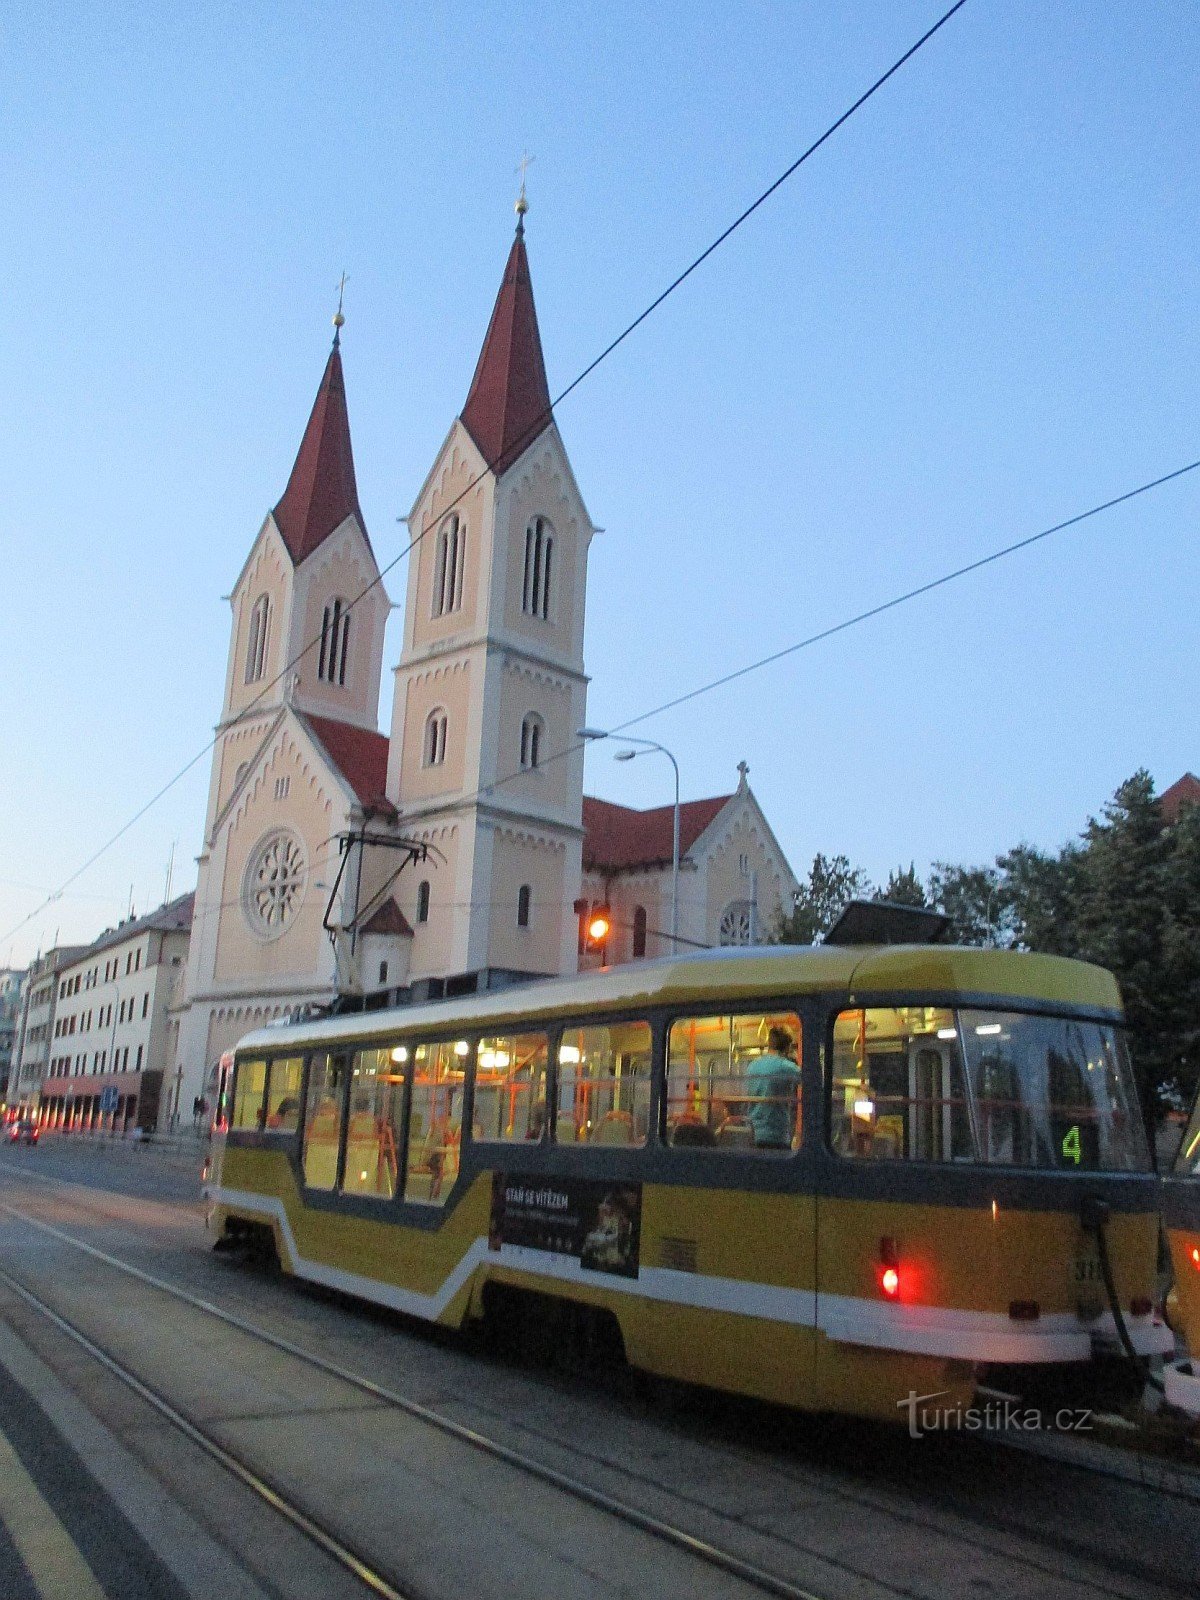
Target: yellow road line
(51, 1556)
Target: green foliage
(832, 884)
(904, 888)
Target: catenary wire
(527, 437)
(840, 627)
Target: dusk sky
(972, 314)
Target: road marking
(51, 1556)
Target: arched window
(531, 740)
(523, 898)
(535, 595)
(335, 643)
(423, 900)
(639, 931)
(256, 649)
(434, 749)
(448, 568)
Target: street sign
(109, 1098)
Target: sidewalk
(180, 1149)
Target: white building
(112, 1036)
(31, 1052)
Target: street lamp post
(648, 745)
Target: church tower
(490, 686)
(297, 761)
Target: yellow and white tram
(827, 1177)
(1181, 1218)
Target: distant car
(23, 1132)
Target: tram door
(937, 1124)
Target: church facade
(342, 863)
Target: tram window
(283, 1094)
(376, 1127)
(435, 1122)
(604, 1085)
(323, 1120)
(510, 1087)
(733, 1083)
(248, 1094)
(1052, 1092)
(898, 1086)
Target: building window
(639, 931)
(523, 896)
(743, 865)
(448, 571)
(535, 594)
(145, 1004)
(282, 788)
(256, 648)
(423, 900)
(335, 643)
(735, 923)
(383, 972)
(137, 1066)
(434, 748)
(531, 740)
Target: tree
(1181, 950)
(1039, 892)
(1119, 897)
(976, 901)
(832, 884)
(904, 888)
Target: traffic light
(595, 925)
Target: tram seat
(691, 1131)
(614, 1127)
(736, 1133)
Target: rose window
(735, 923)
(274, 888)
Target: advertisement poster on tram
(598, 1223)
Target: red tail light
(889, 1281)
(1196, 1256)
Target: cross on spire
(522, 205)
(339, 321)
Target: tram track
(724, 1561)
(759, 1578)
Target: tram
(1181, 1219)
(831, 1177)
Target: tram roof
(711, 976)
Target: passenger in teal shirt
(774, 1082)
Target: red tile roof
(617, 838)
(388, 919)
(322, 491)
(359, 754)
(1184, 791)
(509, 402)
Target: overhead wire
(530, 433)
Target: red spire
(321, 491)
(509, 402)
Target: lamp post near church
(648, 745)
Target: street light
(648, 745)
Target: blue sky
(972, 314)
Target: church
(341, 864)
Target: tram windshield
(1187, 1162)
(999, 1088)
